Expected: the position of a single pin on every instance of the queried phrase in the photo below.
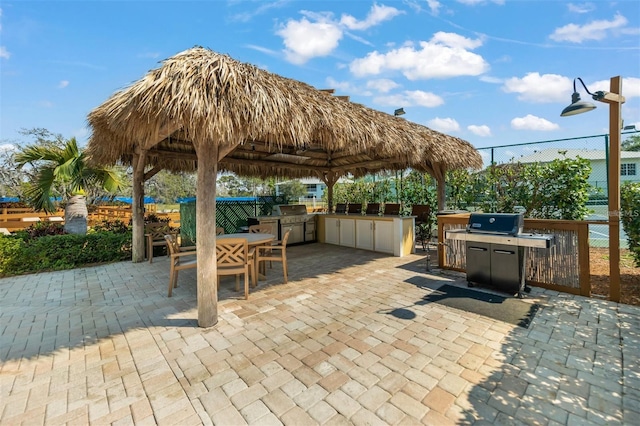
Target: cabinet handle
(503, 252)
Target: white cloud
(4, 53)
(537, 88)
(8, 147)
(445, 55)
(581, 8)
(304, 40)
(531, 122)
(492, 80)
(594, 30)
(455, 40)
(434, 5)
(425, 99)
(482, 130)
(376, 15)
(411, 98)
(45, 104)
(261, 49)
(342, 86)
(63, 84)
(318, 34)
(382, 85)
(444, 125)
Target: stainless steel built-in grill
(292, 217)
(496, 252)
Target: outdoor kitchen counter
(387, 234)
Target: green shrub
(115, 226)
(40, 229)
(556, 190)
(58, 252)
(11, 249)
(630, 205)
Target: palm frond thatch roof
(265, 124)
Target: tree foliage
(58, 168)
(166, 187)
(631, 143)
(292, 190)
(235, 186)
(415, 188)
(630, 216)
(555, 190)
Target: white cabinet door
(332, 230)
(364, 234)
(347, 232)
(383, 236)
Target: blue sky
(490, 72)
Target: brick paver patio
(104, 345)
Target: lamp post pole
(615, 100)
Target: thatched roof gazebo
(205, 111)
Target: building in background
(629, 163)
(315, 187)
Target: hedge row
(57, 252)
(630, 206)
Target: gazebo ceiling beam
(367, 164)
(274, 164)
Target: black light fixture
(399, 111)
(578, 106)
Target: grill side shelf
(522, 240)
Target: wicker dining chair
(263, 228)
(154, 235)
(234, 258)
(181, 258)
(275, 253)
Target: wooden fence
(15, 219)
(564, 267)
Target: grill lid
(289, 209)
(496, 223)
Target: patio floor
(104, 345)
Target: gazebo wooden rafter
(206, 112)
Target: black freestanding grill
(496, 252)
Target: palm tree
(62, 171)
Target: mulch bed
(629, 276)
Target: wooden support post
(207, 280)
(440, 176)
(330, 180)
(137, 206)
(615, 124)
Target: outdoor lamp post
(615, 100)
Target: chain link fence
(595, 149)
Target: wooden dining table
(253, 240)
